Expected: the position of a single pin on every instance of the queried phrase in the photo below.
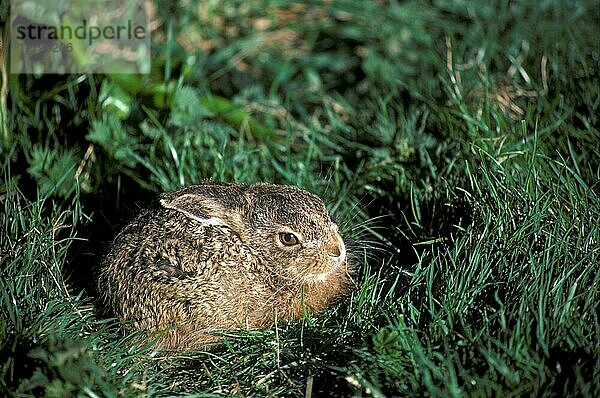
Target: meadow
(457, 144)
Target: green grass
(456, 143)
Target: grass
(457, 144)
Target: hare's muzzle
(336, 250)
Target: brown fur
(210, 258)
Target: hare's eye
(288, 239)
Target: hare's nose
(336, 249)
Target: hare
(216, 257)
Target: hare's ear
(207, 209)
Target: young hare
(216, 257)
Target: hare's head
(289, 228)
